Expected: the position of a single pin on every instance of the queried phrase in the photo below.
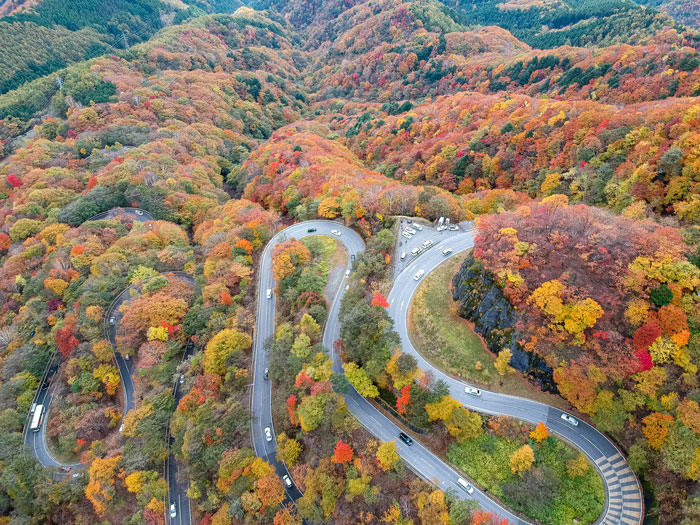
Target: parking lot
(429, 232)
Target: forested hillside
(567, 131)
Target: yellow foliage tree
(158, 333)
(387, 455)
(522, 459)
(503, 360)
(100, 488)
(442, 409)
(221, 346)
(577, 467)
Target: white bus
(37, 418)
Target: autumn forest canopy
(149, 151)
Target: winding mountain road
(37, 440)
(623, 502)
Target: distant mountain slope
(685, 12)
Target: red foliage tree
(379, 300)
(343, 453)
(644, 359)
(65, 341)
(13, 180)
(291, 405)
(645, 336)
(403, 400)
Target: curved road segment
(37, 440)
(623, 497)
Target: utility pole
(59, 82)
(126, 44)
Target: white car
(111, 321)
(466, 486)
(441, 228)
(427, 243)
(453, 228)
(418, 275)
(287, 481)
(471, 390)
(269, 293)
(121, 427)
(411, 231)
(182, 378)
(571, 420)
(417, 226)
(403, 255)
(447, 251)
(415, 251)
(138, 212)
(336, 232)
(173, 511)
(407, 235)
(268, 434)
(347, 273)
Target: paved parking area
(429, 232)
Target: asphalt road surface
(622, 490)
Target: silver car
(571, 420)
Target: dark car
(311, 230)
(266, 374)
(406, 438)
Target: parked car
(311, 230)
(269, 293)
(418, 275)
(411, 231)
(441, 228)
(266, 374)
(417, 226)
(287, 481)
(465, 485)
(453, 228)
(407, 235)
(173, 511)
(571, 420)
(415, 251)
(406, 438)
(268, 434)
(403, 255)
(447, 251)
(336, 232)
(471, 390)
(428, 243)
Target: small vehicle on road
(471, 390)
(287, 481)
(465, 485)
(447, 251)
(65, 468)
(269, 293)
(311, 230)
(428, 243)
(173, 510)
(266, 374)
(111, 321)
(347, 273)
(121, 427)
(406, 438)
(418, 275)
(268, 434)
(336, 232)
(182, 379)
(571, 420)
(352, 257)
(138, 212)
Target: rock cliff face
(482, 302)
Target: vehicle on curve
(447, 251)
(121, 427)
(403, 255)
(471, 390)
(266, 373)
(571, 420)
(347, 273)
(465, 485)
(287, 481)
(37, 418)
(352, 257)
(173, 510)
(269, 293)
(138, 212)
(268, 434)
(311, 230)
(336, 232)
(182, 379)
(406, 438)
(418, 275)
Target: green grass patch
(544, 492)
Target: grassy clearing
(447, 340)
(544, 492)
